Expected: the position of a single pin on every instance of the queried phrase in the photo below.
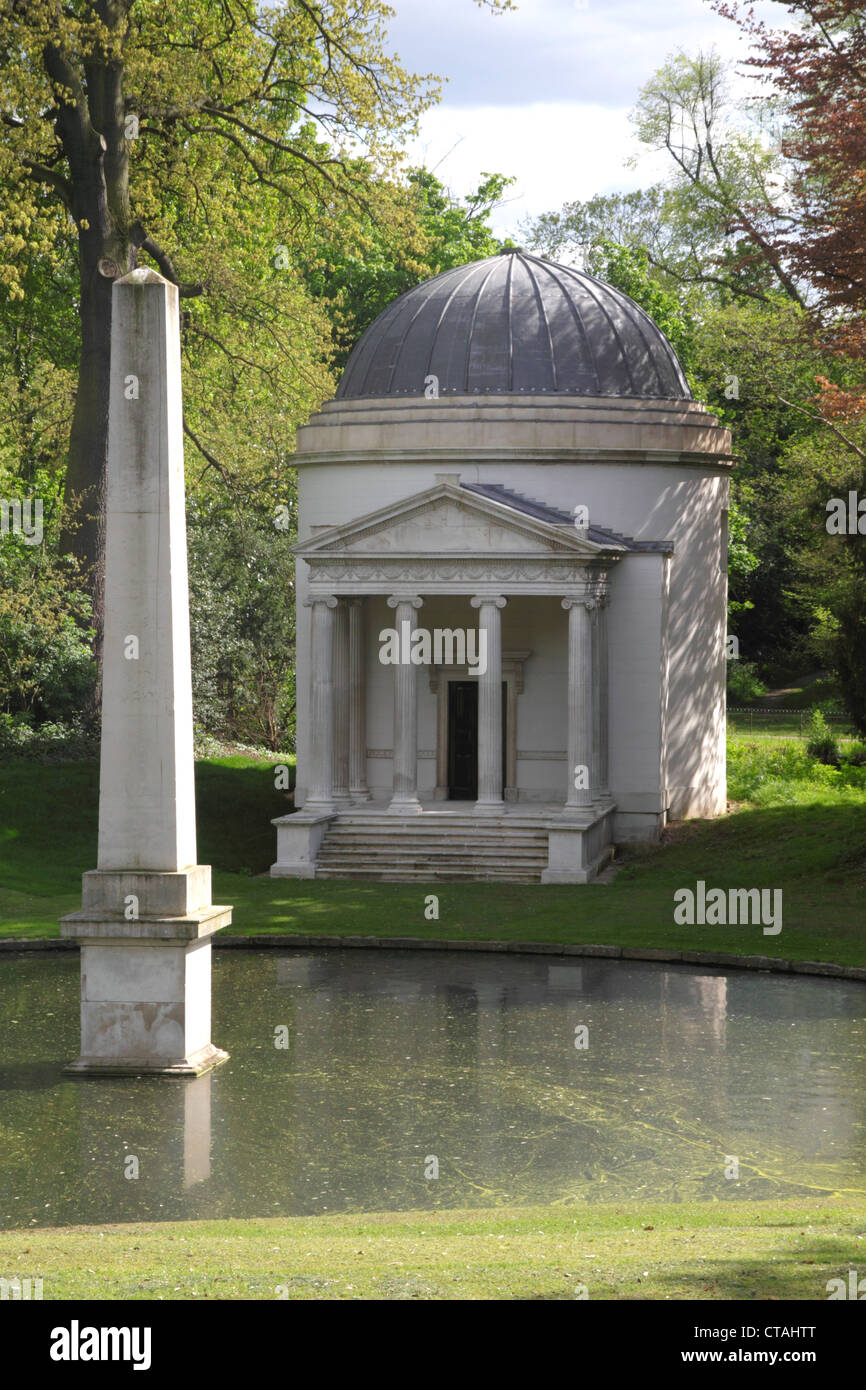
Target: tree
(170, 134)
(711, 222)
(628, 268)
(726, 175)
(818, 69)
(358, 276)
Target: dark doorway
(463, 739)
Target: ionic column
(340, 773)
(490, 802)
(580, 702)
(404, 800)
(321, 792)
(600, 717)
(358, 790)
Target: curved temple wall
(655, 471)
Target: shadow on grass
(816, 856)
(777, 1274)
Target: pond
(422, 1079)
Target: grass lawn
(756, 1250)
(795, 825)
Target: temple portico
(338, 672)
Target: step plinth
(145, 987)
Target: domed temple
(511, 588)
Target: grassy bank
(794, 825)
(749, 1251)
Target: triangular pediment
(447, 520)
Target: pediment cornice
(517, 536)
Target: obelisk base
(195, 1065)
(145, 982)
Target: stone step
(517, 862)
(456, 849)
(426, 827)
(415, 824)
(437, 837)
(430, 875)
(438, 844)
(376, 844)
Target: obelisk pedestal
(147, 917)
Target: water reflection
(396, 1056)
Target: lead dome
(514, 324)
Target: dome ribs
(514, 324)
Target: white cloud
(558, 151)
(555, 50)
(544, 93)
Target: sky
(544, 92)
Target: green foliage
(725, 164)
(38, 364)
(821, 744)
(850, 647)
(782, 773)
(744, 684)
(48, 742)
(285, 241)
(242, 620)
(628, 268)
(358, 275)
(47, 671)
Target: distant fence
(787, 723)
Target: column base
(196, 1064)
(359, 794)
(488, 808)
(410, 806)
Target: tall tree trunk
(84, 530)
(90, 126)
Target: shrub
(821, 743)
(47, 673)
(20, 737)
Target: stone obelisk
(147, 917)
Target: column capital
(588, 600)
(330, 599)
(396, 599)
(481, 599)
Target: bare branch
(188, 290)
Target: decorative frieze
(446, 576)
